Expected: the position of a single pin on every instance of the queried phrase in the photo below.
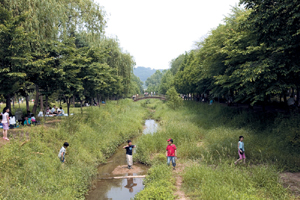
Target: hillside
(144, 72)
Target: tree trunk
(46, 107)
(13, 101)
(298, 95)
(284, 98)
(41, 103)
(98, 99)
(74, 101)
(8, 104)
(81, 106)
(68, 105)
(36, 101)
(27, 102)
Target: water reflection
(150, 126)
(120, 189)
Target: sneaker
(7, 139)
(174, 168)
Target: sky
(157, 31)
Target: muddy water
(120, 189)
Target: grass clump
(226, 182)
(159, 184)
(32, 170)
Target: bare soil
(123, 169)
(179, 180)
(291, 181)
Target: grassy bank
(208, 135)
(32, 170)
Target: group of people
(55, 111)
(171, 152)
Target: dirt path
(292, 181)
(179, 180)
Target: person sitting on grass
(62, 152)
(27, 121)
(60, 112)
(129, 148)
(171, 153)
(53, 110)
(241, 150)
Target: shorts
(129, 160)
(62, 160)
(5, 126)
(242, 155)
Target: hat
(170, 140)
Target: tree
(13, 53)
(167, 81)
(174, 99)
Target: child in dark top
(171, 153)
(129, 148)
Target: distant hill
(144, 72)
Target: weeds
(158, 184)
(33, 171)
(209, 135)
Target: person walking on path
(129, 148)
(62, 152)
(241, 150)
(5, 122)
(171, 153)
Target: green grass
(230, 183)
(209, 135)
(159, 184)
(93, 137)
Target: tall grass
(229, 183)
(32, 170)
(209, 135)
(159, 184)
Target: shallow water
(150, 126)
(120, 189)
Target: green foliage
(174, 99)
(166, 82)
(159, 184)
(93, 137)
(176, 63)
(251, 58)
(153, 82)
(228, 182)
(136, 86)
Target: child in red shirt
(171, 153)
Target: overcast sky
(154, 32)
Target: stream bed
(120, 189)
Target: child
(33, 120)
(5, 122)
(171, 153)
(62, 152)
(241, 150)
(129, 148)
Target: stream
(117, 189)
